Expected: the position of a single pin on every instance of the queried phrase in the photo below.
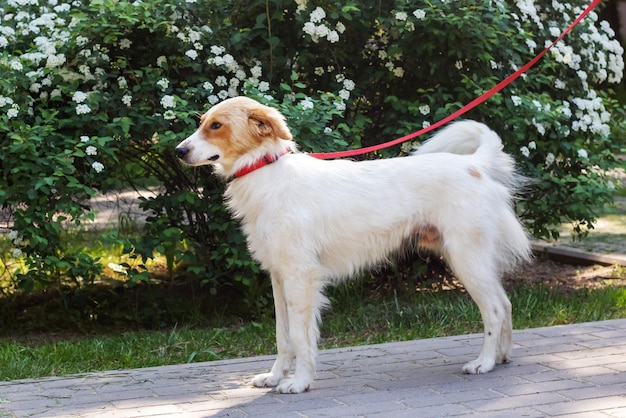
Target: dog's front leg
(285, 356)
(304, 296)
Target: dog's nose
(181, 152)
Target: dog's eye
(215, 125)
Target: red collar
(261, 162)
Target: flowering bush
(95, 95)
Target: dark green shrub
(95, 95)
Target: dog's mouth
(214, 157)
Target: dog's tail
(470, 137)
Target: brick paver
(573, 370)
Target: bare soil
(567, 277)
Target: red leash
(484, 97)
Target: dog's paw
(479, 366)
(293, 386)
(265, 380)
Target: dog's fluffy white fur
(310, 222)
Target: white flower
(256, 71)
(82, 109)
(306, 103)
(419, 14)
(398, 72)
(168, 101)
(127, 99)
(322, 31)
(525, 151)
(125, 43)
(169, 115)
(217, 50)
(348, 84)
(84, 138)
(309, 28)
(344, 94)
(317, 15)
(230, 63)
(16, 65)
(332, 36)
(264, 86)
(582, 153)
(401, 16)
(516, 100)
(121, 82)
(194, 36)
(340, 27)
(163, 84)
(91, 150)
(213, 99)
(12, 112)
(16, 253)
(13, 234)
(424, 109)
(161, 61)
(555, 32)
(5, 101)
(319, 71)
(97, 166)
(207, 86)
(549, 159)
(301, 6)
(192, 53)
(340, 106)
(532, 145)
(458, 65)
(327, 130)
(79, 97)
(55, 61)
(221, 81)
(541, 129)
(425, 124)
(81, 40)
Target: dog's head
(233, 129)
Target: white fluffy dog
(312, 222)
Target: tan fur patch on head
(240, 124)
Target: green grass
(357, 318)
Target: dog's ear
(266, 121)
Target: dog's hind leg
(505, 345)
(285, 356)
(481, 280)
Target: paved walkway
(573, 370)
